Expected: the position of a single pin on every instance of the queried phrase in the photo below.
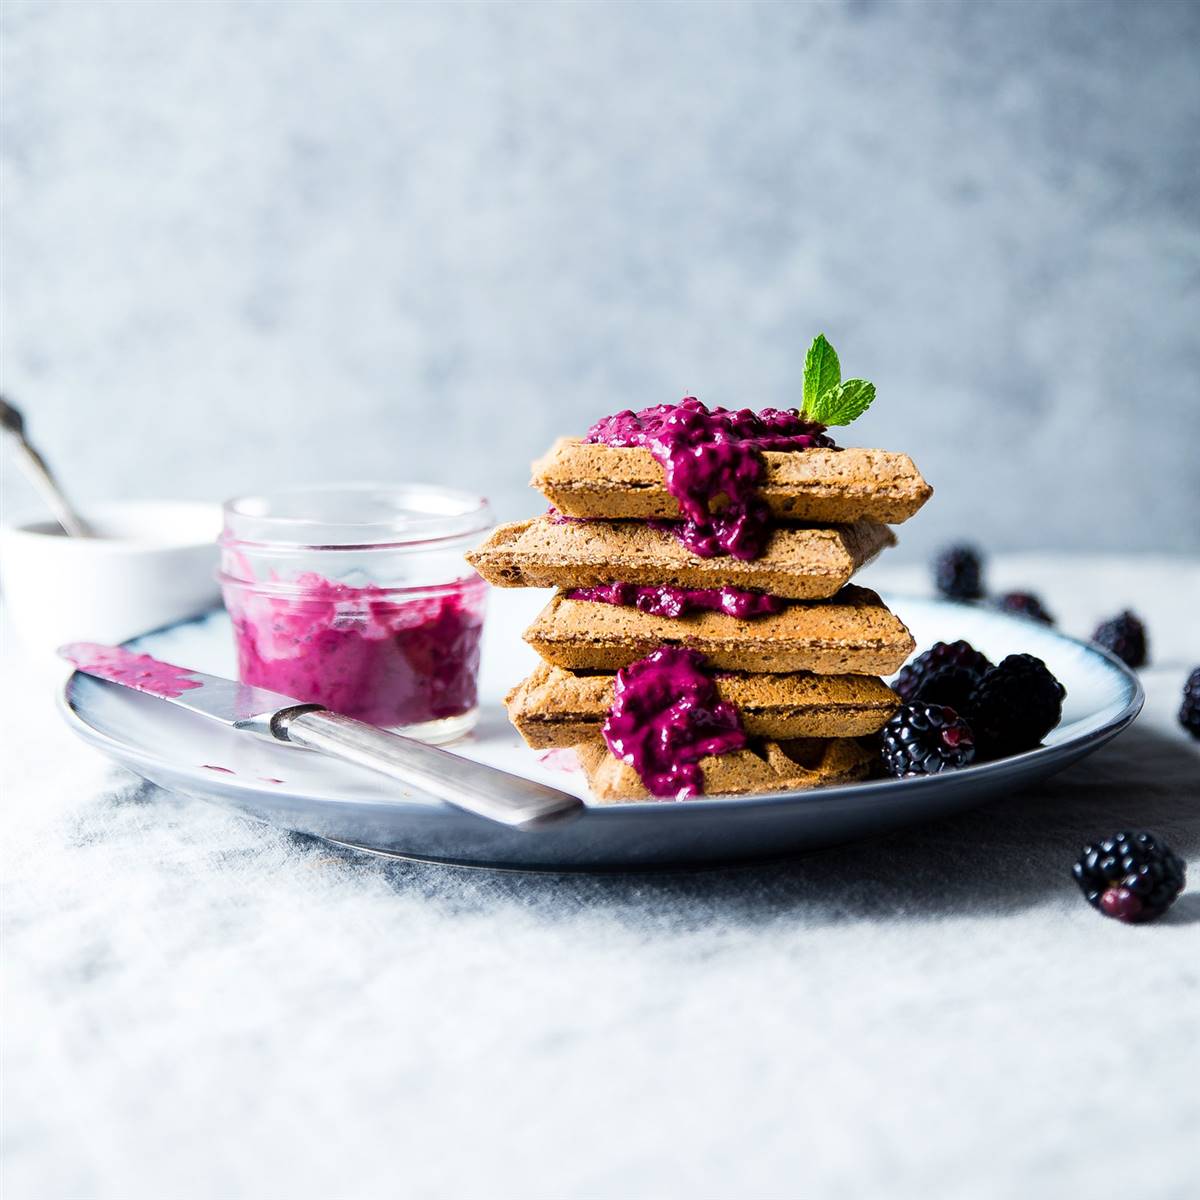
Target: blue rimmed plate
(305, 792)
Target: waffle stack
(804, 677)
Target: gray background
(248, 244)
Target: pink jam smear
(558, 518)
(364, 651)
(708, 452)
(665, 717)
(665, 600)
(560, 759)
(138, 671)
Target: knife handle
(476, 788)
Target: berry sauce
(368, 652)
(665, 600)
(137, 671)
(710, 452)
(665, 717)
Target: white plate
(302, 791)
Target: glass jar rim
(360, 516)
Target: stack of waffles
(803, 672)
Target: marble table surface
(197, 1006)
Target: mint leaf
(841, 404)
(822, 371)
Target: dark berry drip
(560, 518)
(742, 536)
(665, 717)
(706, 453)
(668, 601)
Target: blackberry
(1125, 636)
(939, 656)
(958, 573)
(950, 686)
(1015, 705)
(1130, 876)
(924, 739)
(1024, 604)
(1189, 713)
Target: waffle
(800, 563)
(773, 767)
(818, 485)
(851, 633)
(556, 708)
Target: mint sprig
(842, 404)
(822, 371)
(828, 399)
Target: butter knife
(485, 791)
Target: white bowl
(153, 564)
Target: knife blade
(474, 787)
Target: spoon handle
(39, 474)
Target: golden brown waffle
(776, 767)
(818, 485)
(800, 563)
(851, 633)
(555, 707)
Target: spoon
(37, 470)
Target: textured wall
(255, 243)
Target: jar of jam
(357, 597)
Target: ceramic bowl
(154, 563)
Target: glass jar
(357, 597)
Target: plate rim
(1075, 747)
